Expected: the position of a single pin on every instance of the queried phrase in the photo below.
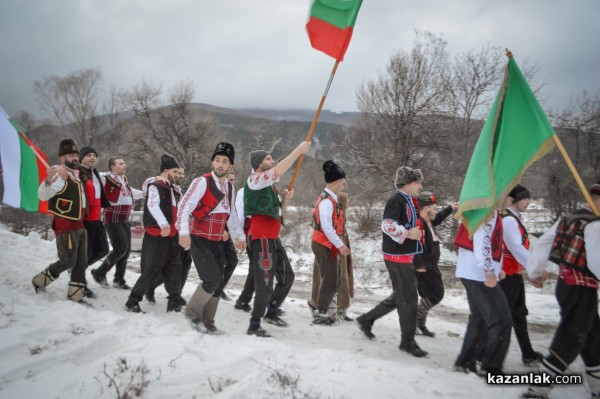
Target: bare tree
(73, 100)
(177, 128)
(579, 128)
(398, 112)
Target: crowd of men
(208, 223)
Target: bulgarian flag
(22, 170)
(516, 134)
(331, 24)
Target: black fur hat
(67, 146)
(519, 192)
(333, 172)
(226, 149)
(167, 162)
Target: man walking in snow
(514, 257)
(96, 200)
(401, 242)
(487, 337)
(429, 277)
(161, 253)
(327, 245)
(210, 202)
(116, 220)
(268, 259)
(573, 243)
(67, 203)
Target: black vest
(68, 203)
(85, 174)
(405, 214)
(166, 204)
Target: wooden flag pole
(314, 123)
(582, 187)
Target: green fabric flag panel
(515, 135)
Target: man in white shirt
(66, 202)
(327, 245)
(206, 207)
(514, 257)
(478, 266)
(573, 243)
(116, 220)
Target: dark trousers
(209, 258)
(231, 261)
(514, 290)
(120, 238)
(578, 332)
(268, 261)
(160, 256)
(403, 299)
(329, 271)
(186, 264)
(72, 254)
(489, 318)
(430, 285)
(97, 241)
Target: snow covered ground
(53, 348)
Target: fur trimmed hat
(226, 149)
(333, 172)
(519, 192)
(406, 175)
(67, 146)
(595, 189)
(426, 198)
(256, 158)
(167, 162)
(86, 150)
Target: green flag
(515, 135)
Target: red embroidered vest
(337, 219)
(462, 239)
(509, 263)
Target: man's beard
(72, 165)
(221, 174)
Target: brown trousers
(345, 291)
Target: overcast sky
(250, 53)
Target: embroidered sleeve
(233, 223)
(260, 180)
(325, 215)
(482, 246)
(540, 251)
(154, 207)
(513, 239)
(393, 230)
(591, 235)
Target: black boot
(412, 348)
(174, 305)
(365, 326)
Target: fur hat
(226, 149)
(167, 162)
(256, 158)
(519, 192)
(333, 172)
(86, 150)
(67, 146)
(426, 198)
(595, 189)
(406, 175)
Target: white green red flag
(22, 170)
(331, 24)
